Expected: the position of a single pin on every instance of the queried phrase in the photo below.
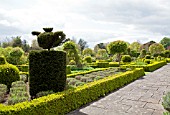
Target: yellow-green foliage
(8, 74)
(64, 102)
(168, 60)
(149, 67)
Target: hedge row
(23, 68)
(64, 102)
(168, 60)
(103, 64)
(86, 72)
(149, 67)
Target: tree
(34, 45)
(156, 48)
(15, 55)
(70, 48)
(117, 47)
(25, 46)
(83, 44)
(135, 46)
(165, 42)
(102, 54)
(100, 46)
(87, 51)
(142, 53)
(7, 42)
(167, 53)
(16, 41)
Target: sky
(95, 21)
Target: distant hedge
(47, 71)
(102, 64)
(149, 67)
(113, 64)
(23, 68)
(64, 102)
(86, 72)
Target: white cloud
(93, 21)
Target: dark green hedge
(47, 71)
(103, 64)
(8, 74)
(64, 102)
(149, 67)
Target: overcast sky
(94, 21)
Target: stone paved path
(141, 97)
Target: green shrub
(44, 93)
(84, 79)
(70, 79)
(2, 60)
(126, 58)
(103, 64)
(47, 71)
(98, 77)
(64, 102)
(168, 60)
(3, 90)
(14, 100)
(72, 82)
(18, 84)
(88, 59)
(166, 102)
(68, 69)
(78, 77)
(18, 93)
(8, 74)
(147, 57)
(148, 61)
(79, 83)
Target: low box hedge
(168, 60)
(103, 64)
(113, 64)
(66, 101)
(86, 72)
(149, 67)
(23, 68)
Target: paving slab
(141, 97)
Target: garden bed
(64, 102)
